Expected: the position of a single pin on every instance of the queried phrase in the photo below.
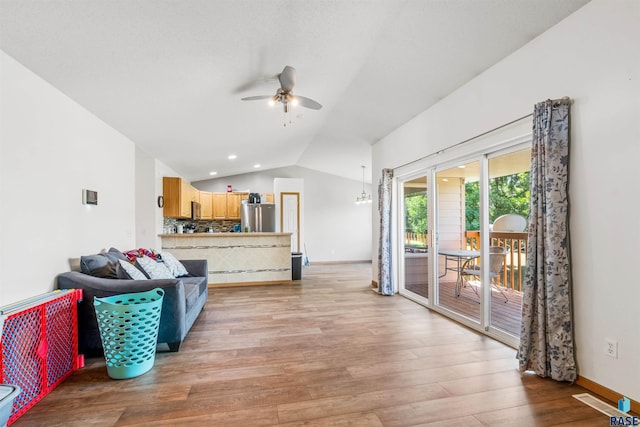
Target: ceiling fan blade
(256, 98)
(254, 83)
(308, 102)
(287, 78)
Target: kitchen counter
(236, 259)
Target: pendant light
(363, 197)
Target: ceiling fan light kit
(284, 94)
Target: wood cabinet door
(233, 205)
(171, 195)
(219, 204)
(186, 197)
(206, 205)
(269, 198)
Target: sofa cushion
(126, 270)
(176, 267)
(115, 254)
(154, 269)
(88, 263)
(109, 271)
(103, 264)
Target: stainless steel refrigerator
(258, 217)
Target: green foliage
(472, 205)
(507, 194)
(415, 215)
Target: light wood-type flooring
(325, 351)
(505, 314)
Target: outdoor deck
(504, 315)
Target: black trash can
(296, 265)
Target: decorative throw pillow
(176, 267)
(88, 263)
(115, 254)
(127, 270)
(155, 270)
(109, 271)
(103, 264)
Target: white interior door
(290, 218)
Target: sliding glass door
(508, 214)
(463, 239)
(457, 210)
(415, 237)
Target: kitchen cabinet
(219, 205)
(269, 198)
(178, 195)
(233, 205)
(206, 205)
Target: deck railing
(516, 259)
(415, 241)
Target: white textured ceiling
(169, 74)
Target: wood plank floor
(326, 351)
(505, 315)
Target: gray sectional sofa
(183, 301)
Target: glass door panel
(508, 214)
(457, 213)
(416, 254)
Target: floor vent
(599, 405)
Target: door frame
(297, 194)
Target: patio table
(456, 255)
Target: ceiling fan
(284, 93)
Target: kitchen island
(236, 259)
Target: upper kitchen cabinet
(206, 205)
(178, 195)
(233, 205)
(219, 204)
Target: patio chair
(510, 223)
(470, 272)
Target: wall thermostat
(89, 197)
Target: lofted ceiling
(169, 74)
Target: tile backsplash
(201, 226)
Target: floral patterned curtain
(546, 335)
(385, 282)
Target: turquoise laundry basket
(129, 331)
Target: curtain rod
(556, 102)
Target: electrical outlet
(611, 348)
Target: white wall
(592, 57)
(50, 149)
(334, 228)
(146, 205)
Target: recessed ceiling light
(445, 180)
(462, 166)
(232, 156)
(256, 165)
(213, 173)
